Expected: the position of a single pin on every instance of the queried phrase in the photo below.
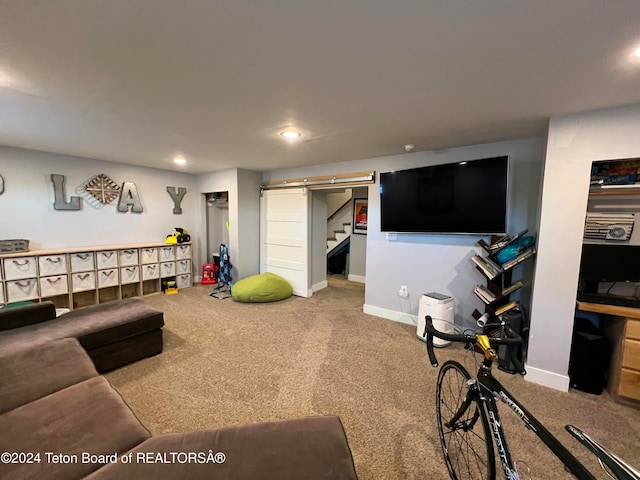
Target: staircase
(339, 236)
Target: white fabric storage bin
(82, 281)
(19, 290)
(183, 251)
(167, 253)
(183, 281)
(1, 292)
(183, 266)
(54, 285)
(130, 274)
(81, 262)
(167, 269)
(128, 256)
(21, 267)
(52, 264)
(107, 259)
(108, 277)
(150, 271)
(148, 255)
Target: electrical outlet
(403, 292)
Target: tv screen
(462, 198)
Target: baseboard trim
(391, 314)
(319, 286)
(356, 278)
(547, 379)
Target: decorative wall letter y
(129, 197)
(177, 198)
(74, 203)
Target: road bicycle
(469, 422)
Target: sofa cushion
(88, 417)
(36, 372)
(115, 355)
(266, 287)
(27, 314)
(305, 448)
(93, 326)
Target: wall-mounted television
(454, 198)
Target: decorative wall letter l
(74, 203)
(177, 198)
(129, 197)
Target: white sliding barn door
(284, 236)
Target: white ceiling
(138, 81)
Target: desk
(622, 326)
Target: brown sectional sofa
(114, 334)
(56, 408)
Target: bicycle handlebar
(430, 331)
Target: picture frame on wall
(360, 215)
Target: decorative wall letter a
(177, 198)
(129, 197)
(59, 195)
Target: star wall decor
(103, 189)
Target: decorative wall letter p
(74, 203)
(177, 198)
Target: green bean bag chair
(266, 287)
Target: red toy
(209, 274)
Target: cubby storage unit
(78, 277)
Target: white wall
(26, 206)
(428, 263)
(574, 142)
(244, 216)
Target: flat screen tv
(454, 198)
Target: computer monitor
(608, 263)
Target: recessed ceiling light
(290, 134)
(179, 160)
(637, 52)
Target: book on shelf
(526, 253)
(493, 266)
(512, 288)
(484, 267)
(501, 242)
(486, 295)
(506, 307)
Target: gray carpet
(227, 363)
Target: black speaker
(590, 358)
(515, 320)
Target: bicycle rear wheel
(462, 422)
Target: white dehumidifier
(440, 308)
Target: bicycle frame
(485, 388)
(488, 386)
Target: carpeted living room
(475, 164)
(228, 363)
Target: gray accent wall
(426, 263)
(26, 206)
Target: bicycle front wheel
(462, 422)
